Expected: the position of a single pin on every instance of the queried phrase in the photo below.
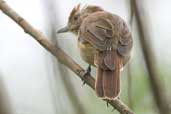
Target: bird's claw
(87, 73)
(107, 104)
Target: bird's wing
(102, 35)
(99, 33)
(125, 41)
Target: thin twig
(131, 12)
(58, 53)
(156, 85)
(129, 74)
(5, 102)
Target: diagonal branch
(58, 53)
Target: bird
(105, 42)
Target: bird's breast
(87, 52)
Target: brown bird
(105, 42)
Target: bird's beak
(62, 30)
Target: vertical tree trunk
(69, 87)
(155, 81)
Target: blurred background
(32, 81)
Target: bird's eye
(75, 18)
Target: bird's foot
(119, 97)
(114, 107)
(87, 73)
(107, 104)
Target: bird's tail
(107, 84)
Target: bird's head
(77, 16)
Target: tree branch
(58, 53)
